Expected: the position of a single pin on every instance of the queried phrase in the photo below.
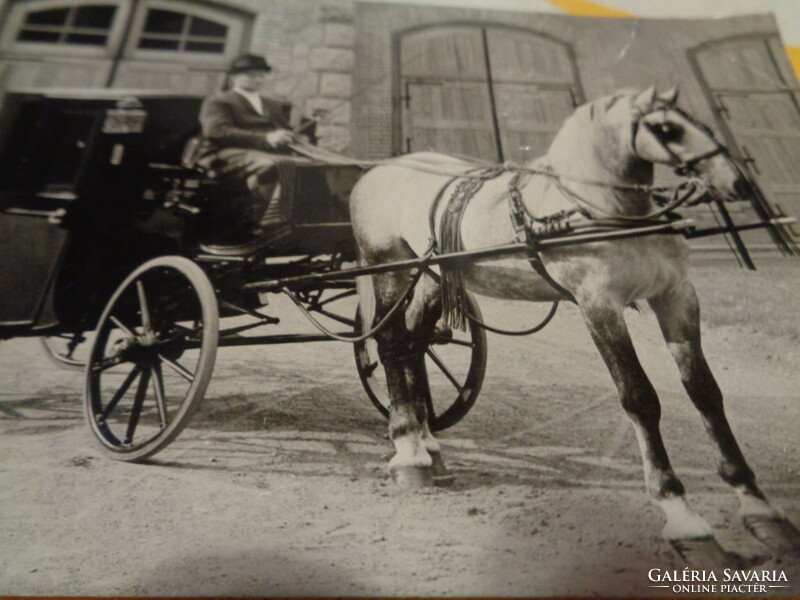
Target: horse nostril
(742, 188)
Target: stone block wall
(311, 47)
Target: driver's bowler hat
(249, 62)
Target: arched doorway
(754, 97)
(488, 91)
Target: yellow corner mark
(585, 8)
(794, 58)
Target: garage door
(134, 44)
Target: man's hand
(280, 137)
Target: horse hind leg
(421, 319)
(401, 347)
(687, 532)
(679, 317)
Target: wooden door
(445, 98)
(535, 88)
(61, 44)
(450, 116)
(177, 45)
(143, 75)
(529, 116)
(484, 91)
(753, 91)
(766, 127)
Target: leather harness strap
(523, 232)
(432, 213)
(527, 229)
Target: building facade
(384, 79)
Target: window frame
(237, 30)
(16, 21)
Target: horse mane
(569, 153)
(566, 150)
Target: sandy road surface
(278, 486)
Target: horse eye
(669, 132)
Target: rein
(484, 170)
(529, 229)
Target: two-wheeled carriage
(132, 266)
(123, 242)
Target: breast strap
(524, 232)
(448, 240)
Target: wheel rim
(456, 365)
(152, 358)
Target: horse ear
(645, 100)
(670, 96)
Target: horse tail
(366, 299)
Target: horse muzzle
(727, 180)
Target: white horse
(604, 158)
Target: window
(181, 45)
(179, 32)
(185, 31)
(88, 25)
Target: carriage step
(245, 249)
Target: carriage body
(112, 255)
(92, 185)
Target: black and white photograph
(354, 298)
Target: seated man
(244, 134)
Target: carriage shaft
(258, 340)
(682, 226)
(453, 258)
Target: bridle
(681, 166)
(693, 190)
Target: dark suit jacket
(229, 121)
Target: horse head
(662, 133)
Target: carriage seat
(230, 220)
(308, 195)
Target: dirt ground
(278, 487)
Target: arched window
(487, 91)
(58, 27)
(179, 32)
(173, 29)
(83, 25)
(147, 44)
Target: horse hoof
(776, 533)
(704, 552)
(441, 476)
(413, 478)
(437, 463)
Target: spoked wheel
(456, 365)
(67, 350)
(152, 358)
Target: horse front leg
(686, 531)
(401, 347)
(678, 315)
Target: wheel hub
(135, 348)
